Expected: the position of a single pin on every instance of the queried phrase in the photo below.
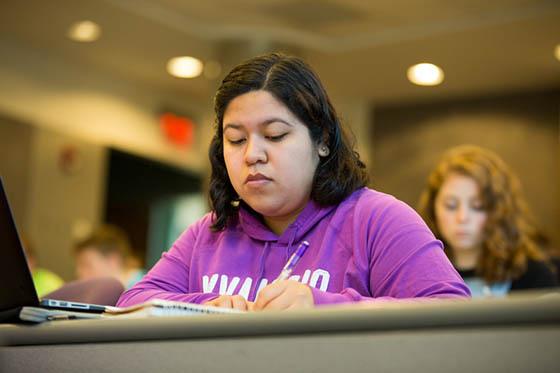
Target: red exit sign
(177, 129)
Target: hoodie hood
(306, 220)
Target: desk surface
(507, 335)
(513, 311)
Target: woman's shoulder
(372, 202)
(204, 223)
(202, 228)
(200, 236)
(382, 213)
(368, 197)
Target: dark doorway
(134, 186)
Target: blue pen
(289, 267)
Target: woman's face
(269, 155)
(460, 214)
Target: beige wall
(355, 113)
(51, 204)
(523, 129)
(15, 155)
(62, 204)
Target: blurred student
(107, 252)
(284, 172)
(44, 280)
(473, 203)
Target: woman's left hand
(284, 295)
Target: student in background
(473, 203)
(284, 171)
(44, 280)
(106, 252)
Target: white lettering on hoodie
(318, 279)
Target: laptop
(18, 297)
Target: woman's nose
(255, 151)
(462, 214)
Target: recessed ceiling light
(184, 67)
(84, 31)
(557, 52)
(426, 74)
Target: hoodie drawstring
(261, 269)
(289, 250)
(263, 260)
(287, 254)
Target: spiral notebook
(160, 307)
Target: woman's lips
(257, 179)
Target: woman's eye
(450, 206)
(277, 137)
(236, 141)
(477, 206)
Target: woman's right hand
(236, 302)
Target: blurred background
(95, 129)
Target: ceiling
(359, 48)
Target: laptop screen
(16, 289)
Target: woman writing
(284, 172)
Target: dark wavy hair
(291, 81)
(510, 233)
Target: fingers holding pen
(231, 301)
(240, 303)
(269, 293)
(279, 295)
(285, 294)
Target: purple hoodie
(370, 246)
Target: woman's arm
(402, 258)
(169, 278)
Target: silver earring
(324, 151)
